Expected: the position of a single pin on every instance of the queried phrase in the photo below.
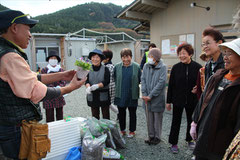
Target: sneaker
(149, 141)
(123, 133)
(174, 149)
(156, 141)
(131, 134)
(191, 145)
(193, 158)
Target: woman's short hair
(215, 34)
(188, 47)
(108, 54)
(152, 45)
(204, 57)
(126, 52)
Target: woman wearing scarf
(216, 119)
(53, 66)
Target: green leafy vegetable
(85, 65)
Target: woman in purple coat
(53, 59)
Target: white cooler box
(63, 135)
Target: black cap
(8, 17)
(52, 54)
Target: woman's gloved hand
(94, 87)
(193, 130)
(88, 90)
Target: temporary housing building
(69, 49)
(115, 42)
(72, 46)
(172, 22)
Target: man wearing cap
(20, 88)
(216, 119)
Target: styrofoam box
(63, 135)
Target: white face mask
(53, 62)
(150, 61)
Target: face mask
(53, 62)
(150, 61)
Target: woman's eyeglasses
(206, 44)
(226, 53)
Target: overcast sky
(40, 7)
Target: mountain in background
(95, 16)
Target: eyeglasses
(227, 53)
(24, 15)
(205, 44)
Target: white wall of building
(80, 48)
(116, 49)
(179, 18)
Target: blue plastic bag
(74, 154)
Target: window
(42, 54)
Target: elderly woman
(211, 38)
(127, 75)
(97, 85)
(182, 80)
(216, 119)
(153, 81)
(53, 66)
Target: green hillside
(92, 15)
(88, 15)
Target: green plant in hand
(85, 65)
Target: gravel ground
(136, 149)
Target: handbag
(34, 140)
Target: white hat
(233, 45)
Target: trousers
(10, 138)
(132, 118)
(50, 114)
(176, 123)
(105, 112)
(154, 123)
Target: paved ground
(136, 149)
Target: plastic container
(63, 135)
(111, 154)
(81, 74)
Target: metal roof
(142, 10)
(142, 27)
(49, 34)
(103, 37)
